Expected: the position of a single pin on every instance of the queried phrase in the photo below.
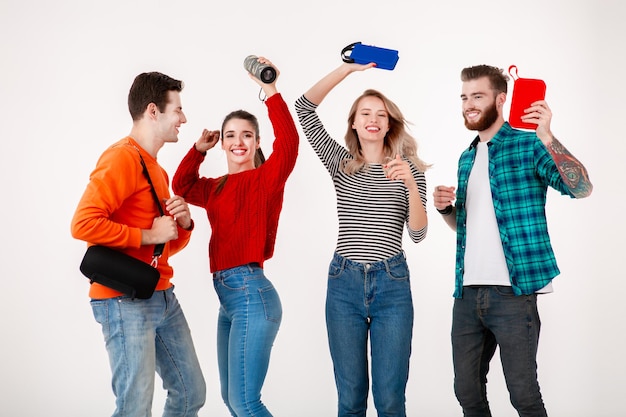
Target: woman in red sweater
(243, 208)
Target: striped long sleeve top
(372, 210)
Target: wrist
(195, 145)
(446, 211)
(189, 226)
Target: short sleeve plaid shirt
(520, 171)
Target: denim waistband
(241, 269)
(370, 266)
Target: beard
(488, 118)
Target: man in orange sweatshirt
(118, 210)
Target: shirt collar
(504, 132)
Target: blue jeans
(486, 317)
(370, 299)
(147, 336)
(248, 321)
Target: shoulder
(509, 133)
(122, 148)
(121, 155)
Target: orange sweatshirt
(117, 204)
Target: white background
(66, 67)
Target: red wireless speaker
(525, 92)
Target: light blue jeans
(248, 321)
(372, 299)
(486, 317)
(147, 336)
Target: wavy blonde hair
(397, 141)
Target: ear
(500, 99)
(258, 142)
(151, 110)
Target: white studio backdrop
(66, 68)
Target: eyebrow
(475, 93)
(233, 131)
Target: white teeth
(238, 152)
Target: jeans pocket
(335, 269)
(231, 282)
(504, 291)
(100, 311)
(399, 272)
(271, 304)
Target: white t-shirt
(484, 257)
(485, 263)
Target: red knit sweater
(244, 213)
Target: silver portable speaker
(263, 72)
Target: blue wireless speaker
(364, 54)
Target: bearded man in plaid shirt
(504, 257)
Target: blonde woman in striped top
(381, 189)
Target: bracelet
(446, 211)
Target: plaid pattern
(520, 171)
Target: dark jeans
(486, 317)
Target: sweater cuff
(190, 228)
(193, 147)
(275, 97)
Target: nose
(183, 118)
(469, 103)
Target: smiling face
(371, 120)
(172, 117)
(481, 104)
(240, 142)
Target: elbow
(583, 192)
(74, 232)
(420, 235)
(178, 188)
(77, 231)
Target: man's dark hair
(497, 78)
(150, 87)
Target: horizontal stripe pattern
(372, 210)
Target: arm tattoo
(574, 174)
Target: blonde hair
(397, 141)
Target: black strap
(158, 249)
(344, 53)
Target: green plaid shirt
(520, 171)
